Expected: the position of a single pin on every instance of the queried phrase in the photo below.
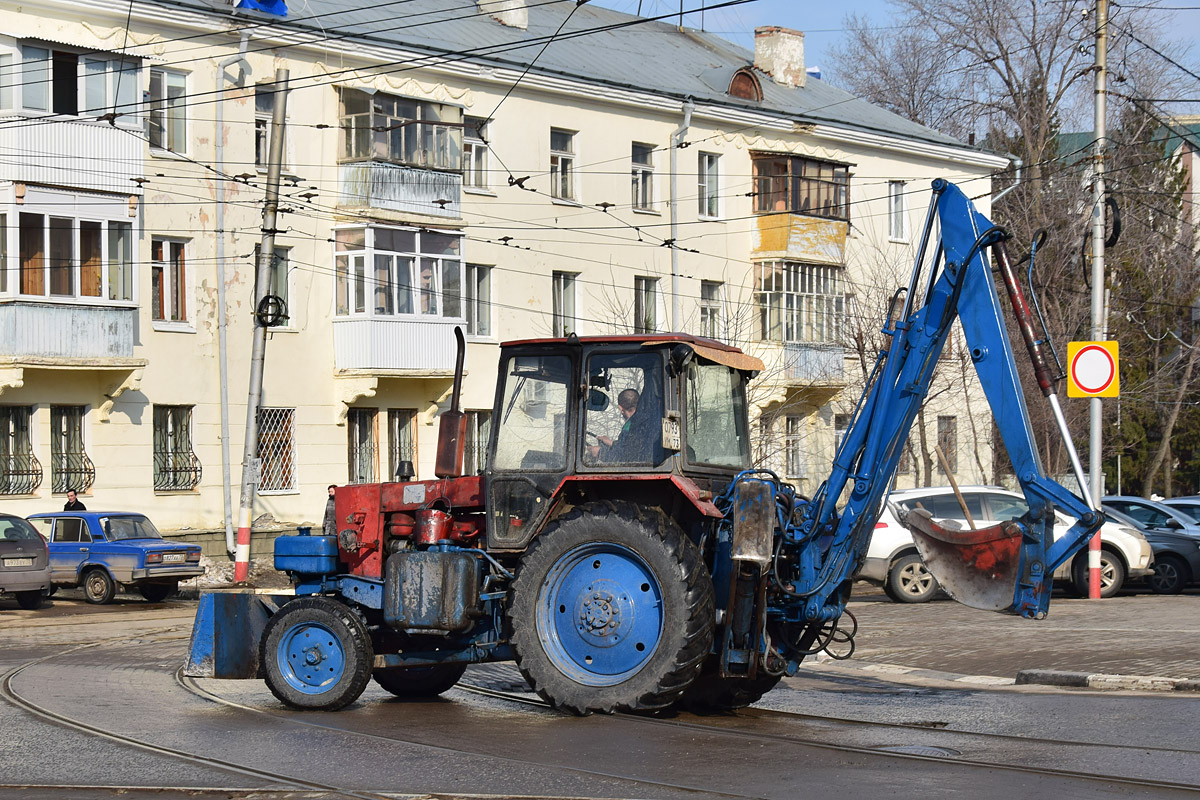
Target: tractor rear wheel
(419, 681)
(611, 610)
(316, 654)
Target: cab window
(532, 430)
(623, 423)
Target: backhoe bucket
(978, 568)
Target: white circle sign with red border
(1093, 369)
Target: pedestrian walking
(73, 503)
(329, 524)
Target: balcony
(799, 237)
(406, 190)
(394, 345)
(814, 364)
(75, 332)
(80, 154)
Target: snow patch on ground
(218, 573)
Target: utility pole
(1099, 323)
(262, 288)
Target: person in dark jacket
(329, 524)
(73, 503)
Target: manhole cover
(920, 750)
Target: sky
(822, 22)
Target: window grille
(277, 449)
(402, 445)
(363, 443)
(479, 427)
(176, 467)
(70, 467)
(20, 471)
(800, 302)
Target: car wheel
(50, 592)
(157, 592)
(419, 681)
(98, 587)
(30, 600)
(910, 581)
(1171, 574)
(612, 610)
(316, 654)
(1112, 574)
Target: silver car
(24, 562)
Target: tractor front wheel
(611, 610)
(316, 654)
(419, 681)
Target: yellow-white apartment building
(520, 171)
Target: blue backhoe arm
(1007, 568)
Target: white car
(894, 563)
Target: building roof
(596, 45)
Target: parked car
(1189, 505)
(24, 562)
(1176, 556)
(893, 561)
(101, 550)
(1153, 514)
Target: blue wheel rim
(600, 614)
(311, 658)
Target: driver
(618, 449)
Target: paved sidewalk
(1128, 635)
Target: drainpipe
(677, 138)
(1018, 163)
(226, 479)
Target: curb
(1099, 680)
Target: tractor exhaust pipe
(452, 436)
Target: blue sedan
(101, 550)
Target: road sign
(1093, 369)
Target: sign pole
(1098, 321)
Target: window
(20, 471)
(69, 83)
(793, 450)
(412, 272)
(478, 300)
(63, 257)
(897, 212)
(479, 428)
(841, 424)
(168, 281)
(176, 467)
(562, 165)
(364, 452)
(565, 321)
(645, 305)
(71, 529)
(708, 194)
(801, 186)
(280, 281)
(475, 154)
(716, 432)
(166, 122)
(710, 309)
(276, 449)
(643, 177)
(947, 436)
(800, 302)
(402, 445)
(264, 114)
(70, 467)
(628, 428)
(399, 130)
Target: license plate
(173, 558)
(18, 562)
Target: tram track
(785, 730)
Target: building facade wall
(512, 225)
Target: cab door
(531, 430)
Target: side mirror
(597, 400)
(1174, 524)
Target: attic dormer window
(745, 85)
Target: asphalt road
(926, 706)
